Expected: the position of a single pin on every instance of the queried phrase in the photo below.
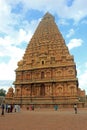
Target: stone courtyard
(45, 119)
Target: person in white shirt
(75, 108)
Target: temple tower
(47, 74)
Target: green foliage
(2, 92)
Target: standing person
(75, 108)
(18, 108)
(15, 108)
(30, 107)
(9, 108)
(3, 107)
(56, 107)
(6, 108)
(33, 107)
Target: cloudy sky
(18, 21)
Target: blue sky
(18, 21)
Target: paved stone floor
(45, 119)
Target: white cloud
(11, 22)
(6, 84)
(86, 64)
(76, 11)
(71, 32)
(83, 80)
(82, 75)
(8, 48)
(6, 18)
(62, 22)
(74, 43)
(7, 70)
(79, 10)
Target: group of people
(31, 107)
(9, 108)
(75, 108)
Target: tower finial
(48, 15)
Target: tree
(2, 92)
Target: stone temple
(47, 74)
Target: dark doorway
(42, 90)
(42, 75)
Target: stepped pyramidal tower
(47, 74)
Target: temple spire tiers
(46, 75)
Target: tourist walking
(75, 108)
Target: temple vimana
(47, 74)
